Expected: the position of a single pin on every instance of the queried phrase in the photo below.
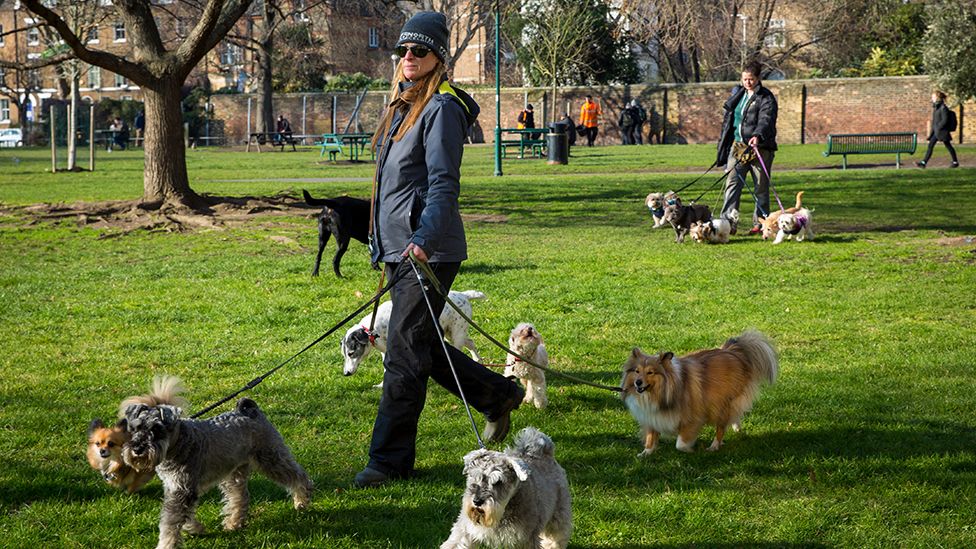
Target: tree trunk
(73, 123)
(266, 106)
(165, 179)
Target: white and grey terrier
(516, 498)
(192, 456)
(526, 341)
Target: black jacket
(759, 119)
(940, 122)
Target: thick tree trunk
(165, 179)
(266, 122)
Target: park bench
(872, 143)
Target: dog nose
(638, 382)
(104, 452)
(478, 502)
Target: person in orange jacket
(589, 119)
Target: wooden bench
(872, 143)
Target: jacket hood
(471, 108)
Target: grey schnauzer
(516, 498)
(192, 456)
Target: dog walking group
(517, 497)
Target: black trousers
(932, 142)
(591, 135)
(413, 355)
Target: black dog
(345, 217)
(681, 218)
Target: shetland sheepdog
(679, 396)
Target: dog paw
(647, 452)
(714, 446)
(194, 526)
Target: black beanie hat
(428, 28)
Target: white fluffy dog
(798, 224)
(655, 203)
(518, 498)
(714, 231)
(526, 341)
(359, 341)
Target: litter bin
(558, 144)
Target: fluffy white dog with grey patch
(360, 341)
(526, 341)
(514, 499)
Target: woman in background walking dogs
(750, 121)
(943, 124)
(419, 144)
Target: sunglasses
(417, 51)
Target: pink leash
(768, 178)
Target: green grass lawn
(867, 440)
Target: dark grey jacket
(759, 119)
(418, 181)
(940, 123)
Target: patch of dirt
(121, 217)
(956, 241)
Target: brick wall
(809, 110)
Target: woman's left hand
(753, 141)
(418, 252)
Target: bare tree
(465, 18)
(550, 41)
(160, 73)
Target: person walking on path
(590, 119)
(419, 144)
(627, 122)
(944, 122)
(749, 122)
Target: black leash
(440, 334)
(713, 185)
(254, 382)
(695, 180)
(440, 290)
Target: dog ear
(666, 357)
(637, 353)
(95, 424)
(133, 410)
(168, 415)
(520, 467)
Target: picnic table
(525, 139)
(109, 136)
(275, 139)
(350, 144)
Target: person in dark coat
(419, 144)
(570, 128)
(750, 121)
(941, 130)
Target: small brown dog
(105, 442)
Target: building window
(92, 35)
(1, 35)
(120, 81)
(33, 35)
(230, 54)
(374, 37)
(181, 28)
(94, 77)
(776, 34)
(120, 32)
(5, 110)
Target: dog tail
(759, 354)
(532, 444)
(165, 389)
(799, 200)
(318, 201)
(473, 294)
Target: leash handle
(440, 334)
(769, 178)
(430, 275)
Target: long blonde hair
(413, 99)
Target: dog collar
(659, 212)
(372, 335)
(801, 222)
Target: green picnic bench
(872, 143)
(524, 141)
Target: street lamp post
(498, 97)
(744, 18)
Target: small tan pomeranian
(105, 442)
(679, 396)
